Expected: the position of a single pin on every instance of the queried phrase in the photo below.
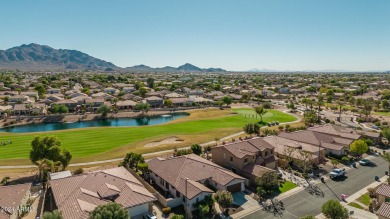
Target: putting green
(101, 143)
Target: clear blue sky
(232, 34)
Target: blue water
(45, 127)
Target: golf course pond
(139, 121)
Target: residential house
(189, 179)
(93, 104)
(266, 92)
(126, 105)
(13, 197)
(71, 104)
(337, 145)
(291, 149)
(29, 109)
(178, 102)
(77, 195)
(4, 109)
(31, 94)
(173, 95)
(53, 91)
(154, 101)
(17, 99)
(111, 90)
(101, 95)
(128, 89)
(248, 158)
(345, 132)
(195, 93)
(382, 201)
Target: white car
(149, 216)
(335, 173)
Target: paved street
(303, 203)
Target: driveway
(303, 203)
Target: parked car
(150, 216)
(364, 162)
(335, 173)
(375, 127)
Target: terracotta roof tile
(175, 170)
(75, 196)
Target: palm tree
(320, 102)
(44, 165)
(340, 106)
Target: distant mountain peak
(41, 57)
(187, 67)
(36, 57)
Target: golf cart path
(153, 154)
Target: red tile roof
(176, 169)
(75, 196)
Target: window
(231, 159)
(266, 153)
(177, 194)
(246, 160)
(172, 187)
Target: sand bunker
(170, 140)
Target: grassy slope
(109, 142)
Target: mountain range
(35, 57)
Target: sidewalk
(356, 195)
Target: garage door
(234, 188)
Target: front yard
(286, 186)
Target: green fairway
(103, 143)
(382, 113)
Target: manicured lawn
(356, 205)
(286, 186)
(101, 143)
(365, 199)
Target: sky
(236, 35)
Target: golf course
(102, 143)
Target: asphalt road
(303, 203)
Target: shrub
(360, 120)
(177, 216)
(371, 192)
(327, 120)
(345, 159)
(203, 210)
(78, 171)
(166, 211)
